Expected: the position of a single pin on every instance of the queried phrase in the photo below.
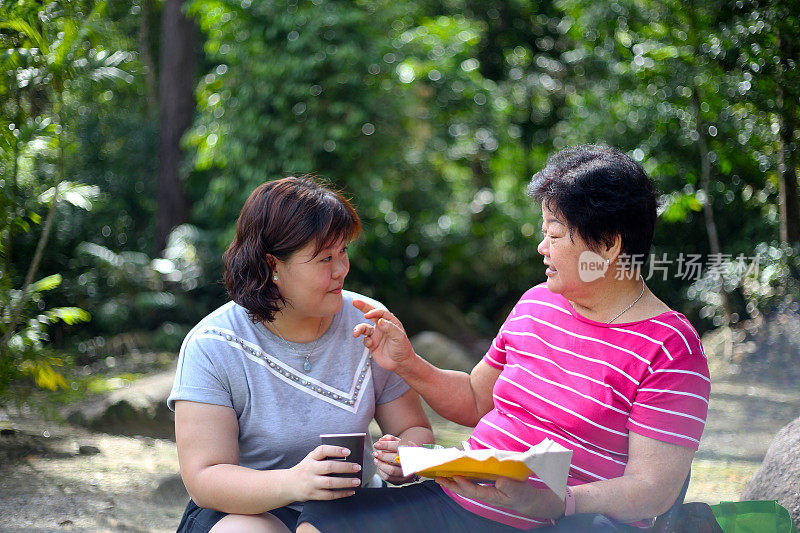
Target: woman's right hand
(386, 340)
(308, 479)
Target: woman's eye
(344, 250)
(326, 259)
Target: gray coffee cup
(353, 442)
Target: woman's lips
(337, 290)
(550, 271)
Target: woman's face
(312, 284)
(562, 255)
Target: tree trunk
(177, 108)
(151, 83)
(705, 184)
(787, 169)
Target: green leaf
(27, 29)
(665, 52)
(69, 315)
(46, 284)
(73, 193)
(677, 207)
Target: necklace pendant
(307, 365)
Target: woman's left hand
(508, 493)
(384, 456)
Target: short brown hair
(279, 218)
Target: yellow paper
(548, 460)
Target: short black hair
(602, 193)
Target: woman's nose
(342, 268)
(543, 248)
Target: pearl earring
(275, 277)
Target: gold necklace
(307, 356)
(631, 305)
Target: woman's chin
(553, 285)
(332, 304)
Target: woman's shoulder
(540, 295)
(349, 296)
(226, 319)
(675, 333)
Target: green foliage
(50, 48)
(432, 114)
(26, 353)
(465, 100)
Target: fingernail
(356, 467)
(345, 451)
(356, 482)
(374, 454)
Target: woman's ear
(614, 250)
(273, 265)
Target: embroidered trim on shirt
(345, 400)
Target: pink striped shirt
(585, 385)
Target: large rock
(441, 351)
(138, 409)
(170, 491)
(778, 478)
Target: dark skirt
(199, 520)
(425, 507)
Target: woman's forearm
(448, 392)
(236, 489)
(625, 499)
(417, 435)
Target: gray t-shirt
(229, 360)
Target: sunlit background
(127, 150)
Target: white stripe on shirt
(681, 393)
(678, 371)
(571, 373)
(584, 337)
(676, 413)
(575, 354)
(676, 330)
(570, 411)
(576, 439)
(651, 339)
(546, 304)
(559, 385)
(632, 421)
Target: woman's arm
(458, 396)
(653, 478)
(208, 453)
(405, 418)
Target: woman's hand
(385, 454)
(508, 493)
(386, 340)
(308, 480)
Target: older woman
(260, 378)
(590, 359)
